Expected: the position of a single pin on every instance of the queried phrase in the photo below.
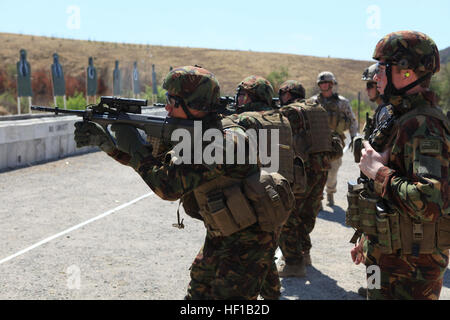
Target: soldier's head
(406, 62)
(192, 92)
(291, 91)
(326, 80)
(371, 84)
(254, 89)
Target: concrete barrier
(35, 138)
(32, 140)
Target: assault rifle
(379, 138)
(127, 111)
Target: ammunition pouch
(271, 197)
(229, 205)
(190, 206)
(225, 210)
(337, 150)
(443, 236)
(394, 231)
(300, 178)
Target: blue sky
(342, 29)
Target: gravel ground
(133, 252)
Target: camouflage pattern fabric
(271, 286)
(295, 236)
(338, 107)
(259, 88)
(294, 87)
(253, 106)
(419, 189)
(232, 267)
(198, 87)
(409, 50)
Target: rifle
(127, 111)
(378, 137)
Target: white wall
(29, 141)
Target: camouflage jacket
(253, 106)
(416, 177)
(171, 181)
(345, 114)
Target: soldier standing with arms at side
(341, 118)
(240, 205)
(312, 167)
(407, 234)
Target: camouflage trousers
(232, 267)
(294, 239)
(406, 277)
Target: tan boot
(292, 270)
(330, 199)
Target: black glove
(92, 134)
(130, 141)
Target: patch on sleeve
(429, 166)
(431, 146)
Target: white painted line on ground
(107, 213)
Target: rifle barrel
(57, 110)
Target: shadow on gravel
(337, 215)
(315, 286)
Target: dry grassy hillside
(229, 66)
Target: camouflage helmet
(369, 73)
(409, 50)
(258, 87)
(294, 87)
(198, 87)
(326, 76)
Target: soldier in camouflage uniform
(341, 118)
(410, 173)
(295, 242)
(236, 255)
(255, 93)
(380, 112)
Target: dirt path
(78, 229)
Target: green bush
(159, 98)
(364, 108)
(276, 78)
(76, 102)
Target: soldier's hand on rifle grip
(372, 161)
(130, 141)
(88, 133)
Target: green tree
(276, 78)
(440, 84)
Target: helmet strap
(391, 90)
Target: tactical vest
(269, 120)
(396, 230)
(227, 205)
(311, 133)
(337, 120)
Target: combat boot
(330, 199)
(292, 270)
